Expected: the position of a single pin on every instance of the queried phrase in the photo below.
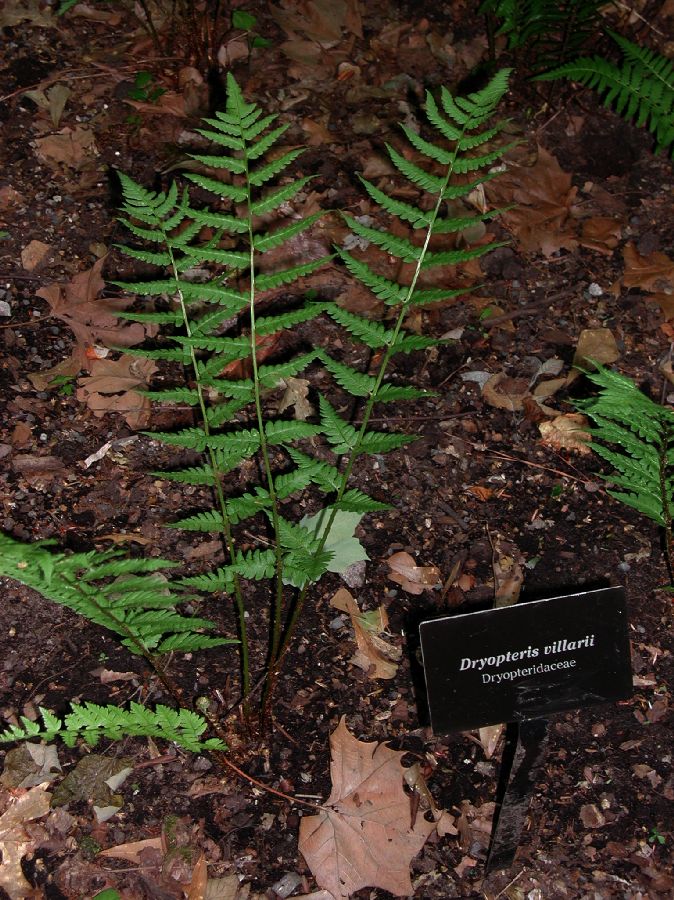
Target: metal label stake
(526, 743)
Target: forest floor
(590, 255)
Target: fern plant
(221, 322)
(636, 436)
(253, 461)
(548, 32)
(641, 89)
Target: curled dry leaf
(374, 655)
(507, 563)
(132, 850)
(489, 738)
(111, 388)
(567, 432)
(505, 393)
(363, 836)
(296, 394)
(412, 578)
(15, 842)
(653, 272)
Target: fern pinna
(640, 435)
(642, 88)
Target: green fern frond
(642, 432)
(548, 33)
(283, 321)
(269, 376)
(91, 722)
(277, 198)
(389, 291)
(642, 88)
(137, 605)
(279, 431)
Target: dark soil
(600, 823)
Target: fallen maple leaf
(90, 319)
(544, 197)
(374, 655)
(412, 578)
(601, 233)
(363, 835)
(15, 841)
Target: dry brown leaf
(567, 432)
(504, 392)
(362, 835)
(601, 233)
(595, 344)
(412, 578)
(111, 388)
(34, 255)
(319, 20)
(507, 563)
(21, 436)
(32, 11)
(132, 850)
(482, 493)
(93, 320)
(374, 655)
(544, 198)
(591, 816)
(10, 198)
(653, 273)
(666, 304)
(296, 394)
(199, 880)
(67, 368)
(233, 49)
(70, 147)
(170, 103)
(15, 842)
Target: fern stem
(244, 653)
(666, 509)
(264, 446)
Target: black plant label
(526, 661)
